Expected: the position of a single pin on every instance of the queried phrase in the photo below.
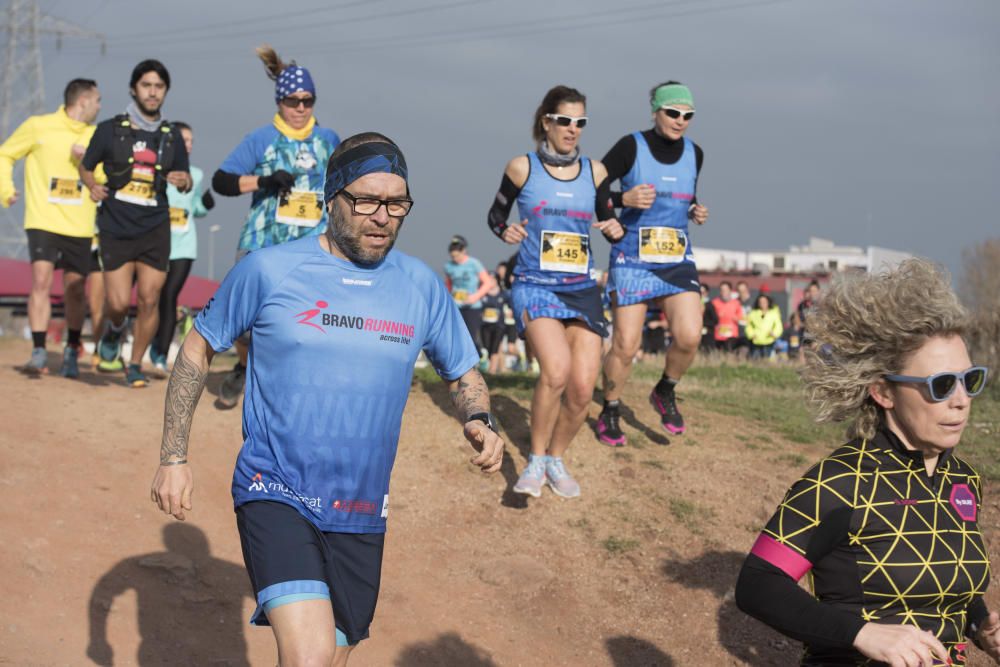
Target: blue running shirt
(273, 220)
(464, 279)
(331, 358)
(657, 238)
(556, 252)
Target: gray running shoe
(38, 365)
(562, 482)
(531, 480)
(70, 365)
(232, 386)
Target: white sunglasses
(565, 121)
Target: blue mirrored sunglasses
(942, 385)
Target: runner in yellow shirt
(58, 213)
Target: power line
(312, 24)
(264, 20)
(583, 22)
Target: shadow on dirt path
(515, 422)
(448, 650)
(744, 638)
(190, 605)
(634, 652)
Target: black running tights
(177, 275)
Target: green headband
(672, 94)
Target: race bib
(725, 332)
(65, 191)
(460, 295)
(137, 192)
(565, 251)
(302, 208)
(179, 220)
(662, 245)
(491, 315)
(793, 341)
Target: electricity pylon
(22, 87)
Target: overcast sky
(869, 122)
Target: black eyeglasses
(294, 102)
(565, 121)
(397, 208)
(675, 113)
(942, 385)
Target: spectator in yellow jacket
(58, 214)
(763, 327)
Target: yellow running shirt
(54, 198)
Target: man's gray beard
(339, 235)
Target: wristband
(173, 463)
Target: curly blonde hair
(867, 326)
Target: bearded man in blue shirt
(337, 322)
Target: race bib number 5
(662, 245)
(565, 251)
(66, 191)
(303, 208)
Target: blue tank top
(557, 251)
(657, 237)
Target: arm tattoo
(183, 391)
(470, 394)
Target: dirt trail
(638, 571)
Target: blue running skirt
(628, 286)
(533, 301)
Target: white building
(819, 256)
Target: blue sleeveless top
(556, 254)
(656, 238)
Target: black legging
(177, 275)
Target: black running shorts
(71, 253)
(152, 249)
(286, 554)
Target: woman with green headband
(653, 263)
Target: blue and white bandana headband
(371, 158)
(293, 79)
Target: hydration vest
(119, 168)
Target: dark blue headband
(370, 158)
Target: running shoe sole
(657, 404)
(558, 493)
(528, 492)
(604, 439)
(115, 366)
(33, 371)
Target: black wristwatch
(487, 418)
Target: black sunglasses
(294, 102)
(675, 113)
(942, 385)
(396, 208)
